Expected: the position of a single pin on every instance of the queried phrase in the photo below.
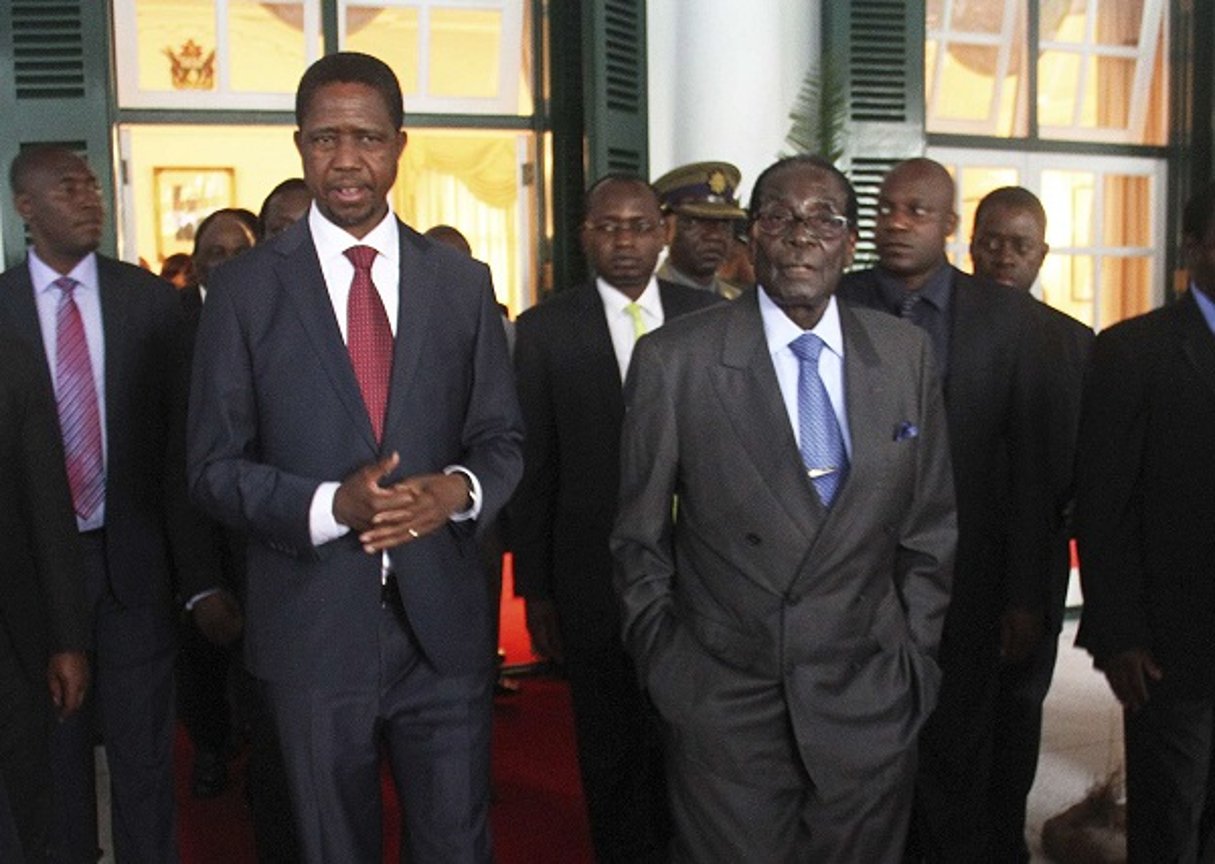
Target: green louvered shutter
(614, 87)
(53, 73)
(880, 45)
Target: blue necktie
(822, 442)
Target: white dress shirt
(620, 322)
(780, 331)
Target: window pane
(391, 35)
(1067, 284)
(266, 45)
(1128, 207)
(1118, 23)
(1107, 102)
(176, 47)
(1126, 288)
(1058, 82)
(968, 70)
(465, 52)
(1062, 20)
(1068, 197)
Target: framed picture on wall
(184, 197)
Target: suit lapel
(418, 287)
(751, 400)
(303, 286)
(24, 319)
(115, 319)
(593, 337)
(1197, 340)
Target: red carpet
(538, 813)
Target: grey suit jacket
(754, 611)
(275, 410)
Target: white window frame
(1030, 167)
(222, 97)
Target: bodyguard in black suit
(132, 326)
(995, 372)
(570, 356)
(43, 625)
(1008, 246)
(1145, 519)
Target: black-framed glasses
(612, 227)
(823, 224)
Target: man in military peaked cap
(702, 199)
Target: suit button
(752, 539)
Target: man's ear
(951, 223)
(24, 205)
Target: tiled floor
(1081, 737)
(1081, 742)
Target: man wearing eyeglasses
(785, 545)
(1008, 246)
(571, 354)
(994, 364)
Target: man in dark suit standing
(995, 372)
(1145, 518)
(785, 614)
(353, 413)
(114, 357)
(44, 627)
(571, 354)
(1008, 246)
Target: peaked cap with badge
(707, 190)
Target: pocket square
(906, 430)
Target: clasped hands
(391, 515)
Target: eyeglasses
(823, 224)
(611, 228)
(995, 243)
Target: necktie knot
(807, 347)
(908, 303)
(67, 287)
(361, 257)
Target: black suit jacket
(1145, 511)
(998, 403)
(42, 607)
(151, 532)
(573, 409)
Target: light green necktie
(638, 323)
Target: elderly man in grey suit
(785, 612)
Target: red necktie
(76, 396)
(368, 337)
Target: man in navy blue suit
(353, 413)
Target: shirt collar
(935, 290)
(1205, 305)
(43, 275)
(332, 241)
(779, 329)
(614, 300)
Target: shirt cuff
(474, 493)
(322, 524)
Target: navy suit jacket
(275, 410)
(152, 534)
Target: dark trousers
(131, 700)
(1016, 741)
(436, 730)
(620, 758)
(25, 780)
(1170, 782)
(950, 821)
(202, 689)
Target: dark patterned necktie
(821, 441)
(907, 305)
(368, 337)
(76, 398)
